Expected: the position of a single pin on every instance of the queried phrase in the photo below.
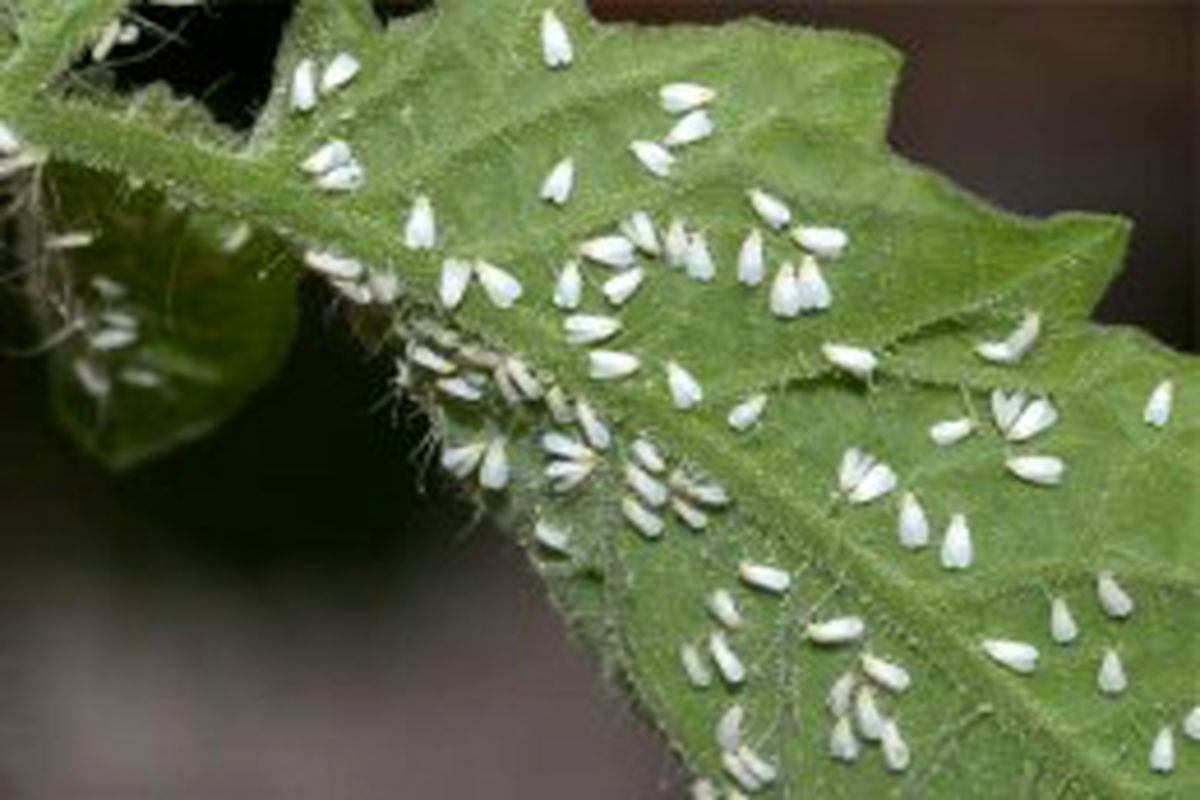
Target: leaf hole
(222, 55)
(387, 10)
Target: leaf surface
(456, 104)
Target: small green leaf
(207, 326)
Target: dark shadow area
(222, 55)
(387, 10)
(319, 468)
(293, 608)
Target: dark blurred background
(294, 610)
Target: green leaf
(211, 323)
(457, 104)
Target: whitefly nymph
(839, 630)
(342, 69)
(523, 377)
(912, 527)
(557, 186)
(751, 259)
(768, 578)
(784, 299)
(329, 156)
(641, 519)
(568, 287)
(10, 145)
(686, 392)
(106, 41)
(694, 668)
(1162, 751)
(462, 460)
(821, 240)
(611, 365)
(867, 714)
(728, 663)
(654, 158)
(684, 96)
(691, 516)
(1037, 469)
(78, 240)
(1191, 724)
(1034, 419)
(613, 250)
(646, 454)
(1116, 602)
(840, 700)
(93, 379)
(736, 768)
(588, 329)
(885, 673)
(1017, 656)
(958, 550)
(1006, 408)
(557, 50)
(770, 209)
(1111, 678)
(494, 470)
(502, 287)
(723, 607)
(420, 232)
(334, 265)
(594, 429)
(1158, 406)
(560, 445)
(697, 258)
(896, 754)
(843, 743)
(675, 242)
(455, 280)
(621, 288)
(304, 86)
(858, 361)
(745, 414)
(1013, 348)
(639, 229)
(951, 431)
(650, 490)
(552, 538)
(812, 292)
(695, 126)
(728, 732)
(469, 388)
(1063, 627)
(863, 479)
(762, 769)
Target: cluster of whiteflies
(579, 443)
(859, 715)
(106, 328)
(102, 324)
